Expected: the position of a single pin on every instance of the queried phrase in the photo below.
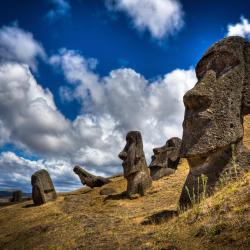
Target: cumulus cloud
(160, 17)
(16, 172)
(28, 113)
(19, 46)
(239, 29)
(60, 8)
(123, 101)
(111, 106)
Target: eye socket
(220, 62)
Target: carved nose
(195, 99)
(156, 151)
(123, 155)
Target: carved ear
(246, 84)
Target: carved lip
(192, 119)
(156, 164)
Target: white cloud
(78, 70)
(16, 172)
(29, 115)
(111, 106)
(19, 46)
(239, 29)
(122, 101)
(160, 17)
(60, 8)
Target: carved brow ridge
(218, 61)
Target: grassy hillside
(84, 219)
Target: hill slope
(84, 219)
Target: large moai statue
(88, 179)
(42, 187)
(134, 165)
(165, 159)
(214, 111)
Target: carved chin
(158, 164)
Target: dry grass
(221, 223)
(84, 219)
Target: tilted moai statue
(165, 159)
(134, 165)
(214, 110)
(42, 187)
(88, 179)
(17, 196)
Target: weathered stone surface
(214, 110)
(90, 180)
(42, 187)
(165, 159)
(17, 196)
(134, 165)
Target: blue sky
(76, 76)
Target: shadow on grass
(30, 205)
(157, 218)
(120, 196)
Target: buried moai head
(89, 179)
(216, 104)
(214, 110)
(134, 164)
(165, 159)
(42, 187)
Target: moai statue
(214, 111)
(17, 196)
(134, 165)
(165, 159)
(88, 179)
(42, 187)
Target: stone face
(214, 110)
(88, 179)
(165, 159)
(134, 165)
(17, 196)
(42, 187)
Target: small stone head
(166, 154)
(132, 153)
(215, 106)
